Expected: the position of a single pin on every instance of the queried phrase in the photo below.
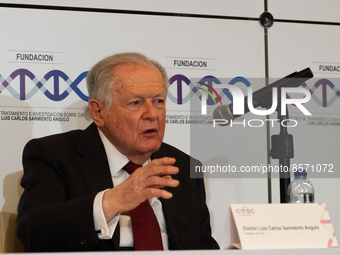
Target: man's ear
(96, 109)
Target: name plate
(278, 226)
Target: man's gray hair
(100, 84)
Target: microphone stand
(282, 149)
(282, 144)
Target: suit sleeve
(52, 214)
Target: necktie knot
(131, 167)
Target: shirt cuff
(105, 229)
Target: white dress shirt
(116, 162)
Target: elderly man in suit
(115, 185)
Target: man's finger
(161, 170)
(156, 181)
(153, 192)
(162, 186)
(163, 161)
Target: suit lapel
(169, 206)
(93, 164)
(92, 160)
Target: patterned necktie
(145, 227)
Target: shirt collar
(116, 159)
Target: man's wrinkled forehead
(136, 73)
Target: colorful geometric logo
(208, 92)
(178, 80)
(55, 95)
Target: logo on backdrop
(57, 75)
(181, 81)
(178, 80)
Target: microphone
(263, 96)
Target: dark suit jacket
(62, 175)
